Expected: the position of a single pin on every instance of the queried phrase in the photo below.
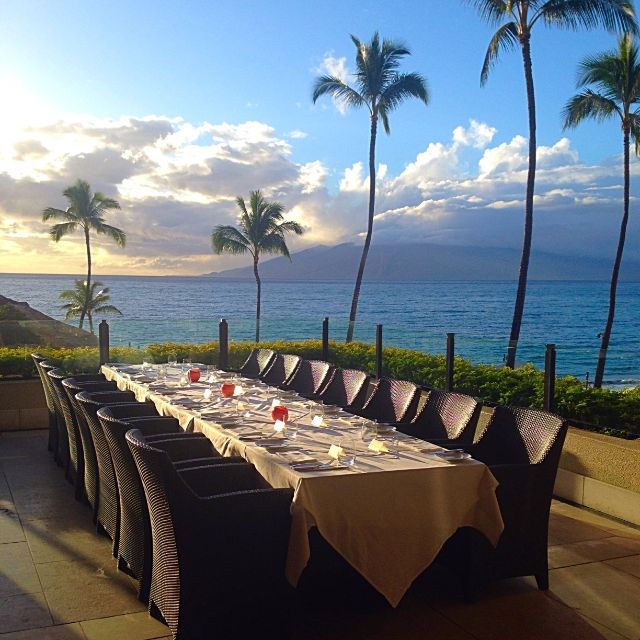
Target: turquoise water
(413, 314)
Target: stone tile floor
(58, 579)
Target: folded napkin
(297, 457)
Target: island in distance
(415, 262)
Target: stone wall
(22, 405)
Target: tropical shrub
(614, 410)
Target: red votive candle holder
(194, 375)
(280, 412)
(227, 389)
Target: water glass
(350, 450)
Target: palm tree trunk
(88, 288)
(518, 309)
(367, 241)
(606, 335)
(258, 283)
(90, 319)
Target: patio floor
(58, 580)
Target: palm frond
(504, 39)
(404, 85)
(53, 213)
(225, 238)
(118, 235)
(491, 11)
(338, 90)
(634, 128)
(58, 231)
(291, 227)
(588, 104)
(274, 243)
(614, 15)
(107, 308)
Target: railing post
(550, 378)
(378, 351)
(223, 342)
(325, 339)
(448, 379)
(103, 341)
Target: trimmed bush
(612, 409)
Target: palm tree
(616, 76)
(381, 88)
(85, 211)
(86, 299)
(261, 231)
(519, 18)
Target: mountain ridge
(427, 262)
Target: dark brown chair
(522, 449)
(445, 416)
(281, 370)
(391, 401)
(61, 451)
(106, 512)
(219, 540)
(257, 363)
(184, 449)
(345, 388)
(75, 466)
(87, 483)
(52, 443)
(309, 377)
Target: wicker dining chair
(281, 370)
(257, 363)
(87, 483)
(106, 511)
(391, 401)
(184, 449)
(445, 417)
(309, 377)
(61, 451)
(345, 388)
(219, 544)
(52, 443)
(75, 466)
(522, 449)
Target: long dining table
(385, 501)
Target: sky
(175, 109)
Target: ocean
(415, 315)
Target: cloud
(176, 180)
(337, 68)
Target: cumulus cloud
(176, 180)
(337, 68)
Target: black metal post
(448, 379)
(378, 351)
(223, 342)
(103, 341)
(325, 339)
(550, 378)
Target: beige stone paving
(58, 579)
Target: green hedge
(610, 408)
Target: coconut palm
(85, 211)
(518, 17)
(616, 78)
(86, 298)
(261, 230)
(381, 88)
